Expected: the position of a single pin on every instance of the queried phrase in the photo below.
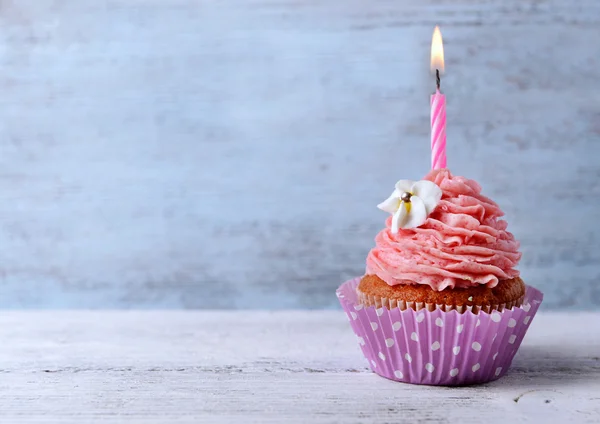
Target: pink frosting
(463, 243)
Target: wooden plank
(268, 367)
(144, 144)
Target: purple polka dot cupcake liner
(438, 347)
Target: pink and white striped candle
(438, 104)
(438, 130)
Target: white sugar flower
(411, 203)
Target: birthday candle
(438, 130)
(438, 105)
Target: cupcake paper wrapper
(438, 347)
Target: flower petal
(404, 185)
(399, 218)
(429, 193)
(418, 213)
(391, 204)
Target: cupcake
(441, 301)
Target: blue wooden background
(195, 154)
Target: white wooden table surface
(217, 367)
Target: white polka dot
(361, 341)
(476, 367)
(358, 307)
(527, 307)
(459, 328)
(420, 317)
(408, 357)
(354, 316)
(476, 346)
(435, 346)
(512, 339)
(453, 372)
(379, 312)
(494, 357)
(414, 336)
(496, 317)
(396, 326)
(456, 349)
(429, 367)
(439, 322)
(374, 326)
(373, 363)
(398, 374)
(526, 320)
(389, 342)
(495, 335)
(478, 323)
(381, 356)
(498, 370)
(512, 322)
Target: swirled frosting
(463, 243)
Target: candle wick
(437, 79)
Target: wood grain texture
(190, 154)
(220, 367)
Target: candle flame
(437, 51)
